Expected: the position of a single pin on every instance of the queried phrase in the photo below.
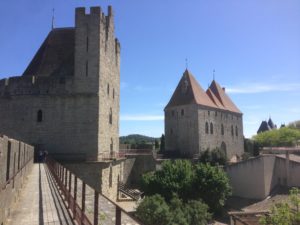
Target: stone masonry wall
(76, 120)
(185, 130)
(16, 159)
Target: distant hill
(136, 139)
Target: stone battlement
(35, 85)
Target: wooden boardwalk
(40, 202)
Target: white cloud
(141, 117)
(261, 88)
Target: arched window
(231, 130)
(211, 128)
(222, 129)
(107, 89)
(39, 116)
(206, 127)
(110, 116)
(236, 131)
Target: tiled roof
(223, 97)
(264, 126)
(188, 91)
(55, 57)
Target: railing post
(62, 175)
(66, 178)
(75, 197)
(96, 209)
(70, 188)
(82, 201)
(118, 215)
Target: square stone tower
(67, 100)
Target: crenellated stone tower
(67, 100)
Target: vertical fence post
(83, 201)
(70, 189)
(75, 197)
(118, 215)
(96, 209)
(66, 178)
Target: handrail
(60, 173)
(16, 173)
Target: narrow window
(87, 43)
(14, 171)
(39, 116)
(208, 112)
(206, 127)
(8, 160)
(236, 131)
(86, 68)
(231, 130)
(171, 131)
(211, 128)
(113, 93)
(110, 116)
(222, 129)
(216, 113)
(182, 112)
(107, 89)
(173, 113)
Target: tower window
(86, 68)
(110, 116)
(173, 113)
(216, 113)
(236, 131)
(206, 127)
(182, 112)
(171, 131)
(113, 93)
(87, 43)
(39, 116)
(222, 129)
(211, 128)
(107, 89)
(231, 130)
(208, 112)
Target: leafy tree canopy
(278, 138)
(154, 210)
(286, 213)
(180, 177)
(213, 157)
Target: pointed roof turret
(223, 98)
(188, 91)
(264, 126)
(271, 124)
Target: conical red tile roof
(224, 99)
(188, 91)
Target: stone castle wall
(79, 114)
(185, 130)
(16, 159)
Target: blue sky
(254, 47)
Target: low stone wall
(257, 177)
(101, 176)
(16, 160)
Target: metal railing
(63, 179)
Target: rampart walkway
(40, 202)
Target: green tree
(174, 177)
(211, 184)
(277, 138)
(286, 213)
(213, 157)
(154, 210)
(189, 182)
(162, 143)
(156, 144)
